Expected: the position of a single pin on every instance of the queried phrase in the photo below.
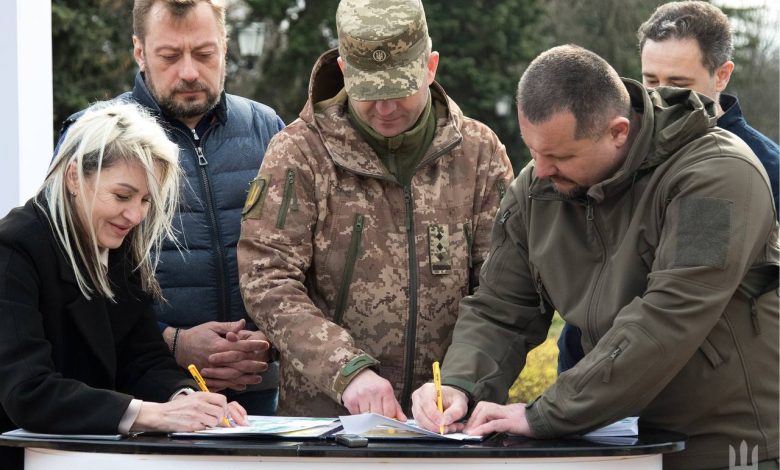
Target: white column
(26, 93)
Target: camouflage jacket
(338, 260)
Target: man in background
(689, 45)
(369, 220)
(180, 47)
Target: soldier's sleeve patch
(253, 207)
(439, 249)
(703, 232)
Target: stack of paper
(376, 426)
(625, 427)
(276, 426)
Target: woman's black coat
(68, 364)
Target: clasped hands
(227, 355)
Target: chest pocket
(353, 253)
(493, 268)
(546, 306)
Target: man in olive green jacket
(369, 220)
(654, 233)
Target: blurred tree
(91, 53)
(297, 33)
(484, 46)
(756, 77)
(608, 28)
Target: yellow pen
(203, 388)
(437, 384)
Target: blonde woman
(80, 351)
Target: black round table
(162, 452)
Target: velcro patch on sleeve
(703, 232)
(253, 206)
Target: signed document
(271, 426)
(374, 426)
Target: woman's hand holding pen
(188, 413)
(426, 412)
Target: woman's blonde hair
(106, 134)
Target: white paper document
(624, 427)
(375, 426)
(282, 426)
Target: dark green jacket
(669, 268)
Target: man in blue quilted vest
(180, 47)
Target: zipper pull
(291, 186)
(201, 158)
(589, 212)
(542, 308)
(467, 234)
(504, 217)
(408, 204)
(608, 370)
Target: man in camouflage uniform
(369, 220)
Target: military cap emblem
(379, 55)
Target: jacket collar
(344, 143)
(732, 113)
(39, 206)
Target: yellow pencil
(437, 384)
(203, 388)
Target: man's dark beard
(181, 111)
(577, 192)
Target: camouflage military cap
(384, 45)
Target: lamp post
(251, 39)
